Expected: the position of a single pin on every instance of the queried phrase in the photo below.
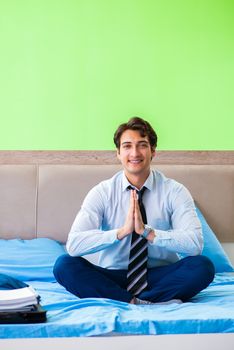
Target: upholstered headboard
(41, 192)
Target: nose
(135, 151)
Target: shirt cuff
(110, 236)
(160, 237)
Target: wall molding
(109, 157)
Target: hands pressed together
(133, 220)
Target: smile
(135, 161)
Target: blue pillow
(31, 259)
(212, 248)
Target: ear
(153, 153)
(118, 153)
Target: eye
(144, 145)
(126, 146)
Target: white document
(14, 298)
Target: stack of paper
(17, 299)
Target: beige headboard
(41, 192)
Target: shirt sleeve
(185, 235)
(86, 236)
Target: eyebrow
(129, 142)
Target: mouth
(135, 161)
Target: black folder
(29, 314)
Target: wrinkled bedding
(211, 311)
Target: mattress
(211, 311)
(31, 261)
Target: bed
(41, 193)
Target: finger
(135, 198)
(138, 222)
(136, 207)
(131, 206)
(137, 211)
(132, 200)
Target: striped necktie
(137, 267)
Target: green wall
(72, 70)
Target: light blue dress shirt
(170, 211)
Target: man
(140, 221)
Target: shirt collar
(148, 183)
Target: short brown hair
(139, 124)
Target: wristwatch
(146, 231)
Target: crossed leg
(181, 280)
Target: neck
(136, 180)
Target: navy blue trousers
(180, 280)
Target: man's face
(135, 153)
